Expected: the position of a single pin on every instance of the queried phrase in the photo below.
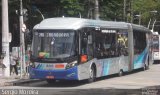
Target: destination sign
(108, 31)
(54, 34)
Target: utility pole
(96, 10)
(5, 38)
(131, 3)
(140, 15)
(124, 10)
(22, 44)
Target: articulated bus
(82, 49)
(155, 47)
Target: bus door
(86, 45)
(85, 52)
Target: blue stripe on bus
(106, 66)
(140, 60)
(106, 69)
(40, 66)
(68, 74)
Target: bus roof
(140, 28)
(155, 33)
(76, 23)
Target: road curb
(25, 81)
(19, 82)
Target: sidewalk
(7, 81)
(14, 80)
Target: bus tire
(92, 74)
(120, 73)
(50, 81)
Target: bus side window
(99, 45)
(84, 43)
(99, 50)
(109, 45)
(90, 46)
(122, 42)
(140, 41)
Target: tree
(144, 7)
(111, 10)
(72, 8)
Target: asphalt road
(135, 83)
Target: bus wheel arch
(92, 73)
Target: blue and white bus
(155, 47)
(83, 49)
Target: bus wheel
(92, 75)
(50, 81)
(120, 73)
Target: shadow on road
(60, 84)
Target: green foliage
(144, 7)
(109, 9)
(72, 7)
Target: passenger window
(139, 41)
(122, 41)
(111, 43)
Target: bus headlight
(32, 64)
(72, 64)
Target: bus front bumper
(67, 74)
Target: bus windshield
(53, 43)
